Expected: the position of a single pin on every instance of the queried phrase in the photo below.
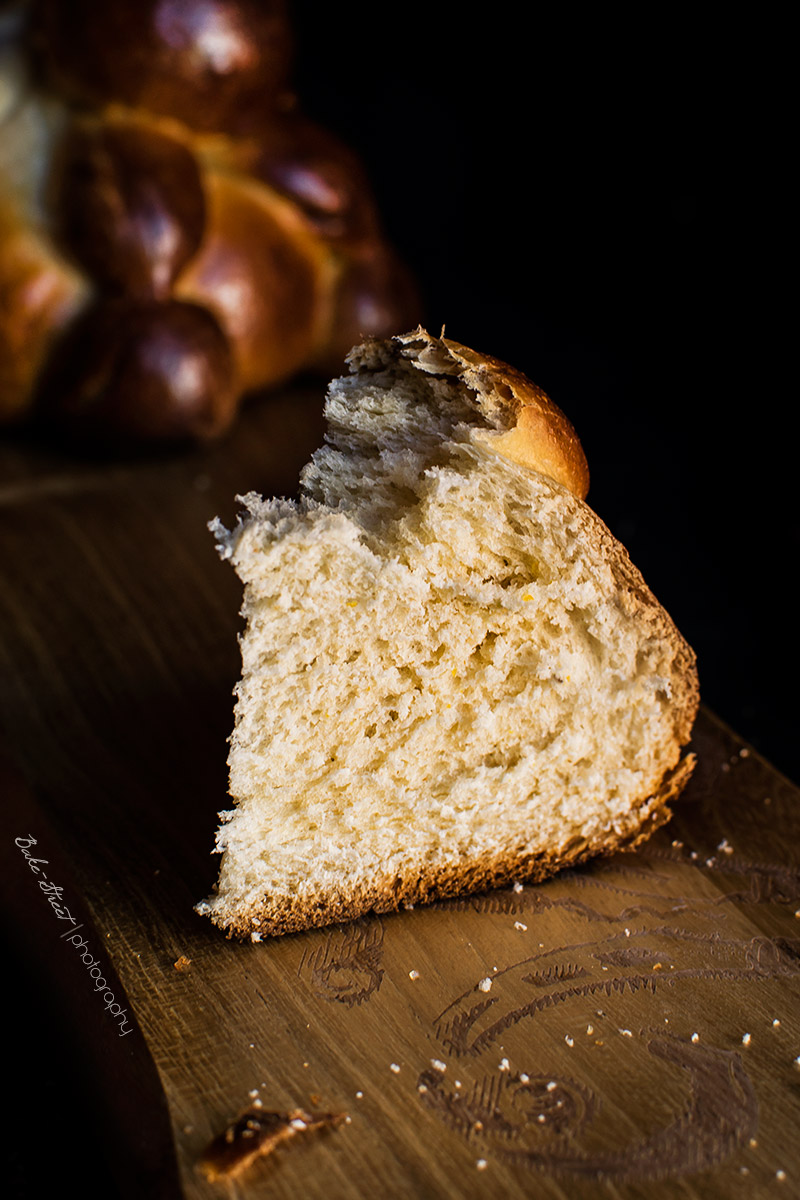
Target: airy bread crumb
(453, 677)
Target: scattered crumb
(552, 1085)
(517, 887)
(590, 1029)
(695, 1037)
(253, 1093)
(255, 936)
(524, 1078)
(725, 846)
(676, 845)
(626, 1033)
(413, 974)
(504, 1064)
(457, 1083)
(485, 984)
(183, 963)
(541, 1118)
(395, 1067)
(744, 1170)
(752, 1143)
(519, 925)
(481, 1164)
(359, 1095)
(569, 1040)
(421, 1088)
(438, 1065)
(746, 1039)
(780, 1176)
(775, 1023)
(658, 966)
(694, 856)
(256, 1133)
(744, 752)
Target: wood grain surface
(625, 1030)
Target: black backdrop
(601, 202)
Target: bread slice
(453, 677)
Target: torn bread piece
(453, 676)
(256, 1133)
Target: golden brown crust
(527, 426)
(273, 919)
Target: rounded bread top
(524, 424)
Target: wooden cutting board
(625, 1029)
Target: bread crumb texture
(453, 677)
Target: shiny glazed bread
(174, 233)
(453, 676)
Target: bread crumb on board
(256, 1133)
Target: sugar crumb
(520, 925)
(504, 1064)
(438, 1065)
(481, 1164)
(569, 1040)
(395, 1067)
(413, 974)
(746, 1039)
(485, 985)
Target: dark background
(602, 203)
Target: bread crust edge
(468, 877)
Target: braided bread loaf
(173, 232)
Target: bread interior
(448, 661)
